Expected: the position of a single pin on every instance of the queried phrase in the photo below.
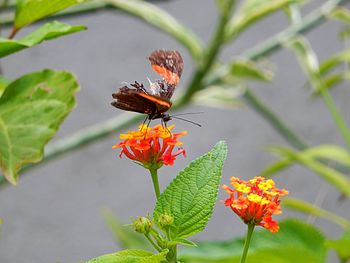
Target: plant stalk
(155, 181)
(247, 242)
(209, 55)
(337, 117)
(172, 255)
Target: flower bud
(164, 221)
(142, 225)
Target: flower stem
(172, 255)
(247, 242)
(153, 243)
(154, 174)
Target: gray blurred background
(54, 214)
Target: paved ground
(54, 214)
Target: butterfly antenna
(195, 123)
(187, 113)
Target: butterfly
(154, 100)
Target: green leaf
(334, 61)
(341, 246)
(130, 256)
(311, 209)
(251, 11)
(329, 152)
(191, 196)
(182, 241)
(295, 242)
(28, 11)
(46, 32)
(31, 111)
(340, 13)
(276, 167)
(307, 57)
(332, 176)
(163, 21)
(247, 69)
(222, 96)
(3, 84)
(125, 236)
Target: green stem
(154, 175)
(210, 55)
(172, 255)
(274, 120)
(153, 243)
(247, 242)
(337, 117)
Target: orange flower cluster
(255, 201)
(151, 147)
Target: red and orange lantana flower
(151, 147)
(255, 201)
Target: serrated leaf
(251, 11)
(163, 21)
(191, 196)
(341, 246)
(182, 241)
(28, 11)
(46, 32)
(130, 256)
(126, 237)
(247, 69)
(295, 242)
(311, 209)
(31, 111)
(332, 176)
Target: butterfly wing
(169, 65)
(129, 99)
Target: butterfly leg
(149, 121)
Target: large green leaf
(163, 21)
(341, 246)
(251, 11)
(191, 197)
(130, 256)
(28, 11)
(295, 242)
(48, 31)
(31, 110)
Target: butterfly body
(155, 100)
